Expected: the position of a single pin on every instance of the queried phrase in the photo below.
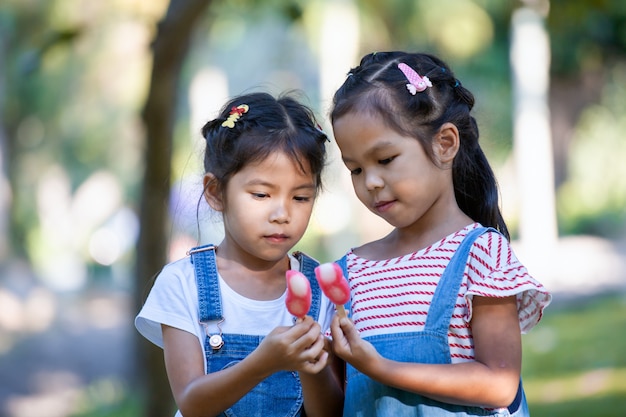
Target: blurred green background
(101, 104)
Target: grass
(575, 359)
(107, 398)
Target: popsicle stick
(341, 311)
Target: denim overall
(279, 395)
(368, 398)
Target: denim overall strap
(343, 263)
(307, 267)
(278, 395)
(440, 311)
(209, 299)
(444, 299)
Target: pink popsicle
(298, 299)
(334, 285)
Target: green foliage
(128, 407)
(64, 107)
(586, 34)
(593, 198)
(64, 102)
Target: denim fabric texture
(279, 395)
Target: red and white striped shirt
(393, 295)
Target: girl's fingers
(306, 334)
(316, 365)
(348, 329)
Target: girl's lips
(383, 206)
(277, 238)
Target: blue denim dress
(368, 398)
(279, 395)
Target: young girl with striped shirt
(439, 304)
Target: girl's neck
(251, 277)
(413, 238)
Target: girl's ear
(446, 144)
(212, 193)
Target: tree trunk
(170, 48)
(530, 60)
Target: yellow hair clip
(234, 115)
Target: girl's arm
(295, 348)
(323, 391)
(491, 380)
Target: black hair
(269, 125)
(378, 87)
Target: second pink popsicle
(334, 285)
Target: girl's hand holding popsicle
(334, 285)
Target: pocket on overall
(279, 395)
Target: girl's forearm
(323, 393)
(211, 394)
(470, 384)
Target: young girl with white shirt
(230, 345)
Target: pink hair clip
(234, 115)
(416, 82)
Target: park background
(100, 171)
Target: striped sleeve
(495, 271)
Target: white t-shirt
(173, 301)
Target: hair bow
(416, 82)
(234, 115)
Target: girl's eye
(259, 195)
(355, 171)
(302, 198)
(386, 160)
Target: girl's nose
(373, 181)
(280, 213)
